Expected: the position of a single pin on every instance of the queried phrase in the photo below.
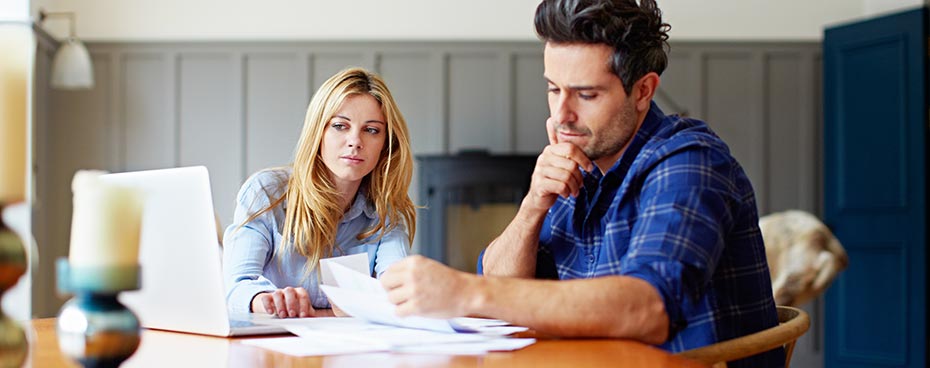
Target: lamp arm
(43, 15)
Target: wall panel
(476, 119)
(150, 135)
(733, 109)
(530, 109)
(274, 109)
(325, 64)
(411, 79)
(210, 106)
(784, 131)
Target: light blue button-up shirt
(252, 262)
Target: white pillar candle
(106, 222)
(18, 47)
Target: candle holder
(13, 343)
(94, 328)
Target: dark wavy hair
(635, 32)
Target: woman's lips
(352, 159)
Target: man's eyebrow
(580, 88)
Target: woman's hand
(285, 303)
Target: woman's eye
(338, 126)
(373, 130)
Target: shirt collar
(360, 206)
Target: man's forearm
(513, 253)
(613, 306)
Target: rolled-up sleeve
(247, 249)
(679, 237)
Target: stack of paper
(375, 327)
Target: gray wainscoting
(239, 107)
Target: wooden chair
(792, 323)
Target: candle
(106, 222)
(18, 48)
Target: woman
(345, 193)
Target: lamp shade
(71, 67)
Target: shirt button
(590, 258)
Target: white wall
(154, 20)
(14, 10)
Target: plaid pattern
(677, 211)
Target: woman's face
(353, 138)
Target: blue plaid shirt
(677, 211)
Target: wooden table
(175, 350)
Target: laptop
(182, 282)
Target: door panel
(875, 189)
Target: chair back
(792, 324)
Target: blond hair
(313, 203)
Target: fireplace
(469, 199)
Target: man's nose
(562, 110)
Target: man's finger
(392, 278)
(405, 309)
(398, 295)
(550, 130)
(572, 152)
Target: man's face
(587, 103)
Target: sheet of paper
(349, 337)
(484, 326)
(299, 346)
(362, 296)
(338, 324)
(376, 308)
(467, 348)
(388, 337)
(479, 322)
(352, 280)
(356, 262)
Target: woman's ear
(644, 89)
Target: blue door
(875, 113)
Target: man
(647, 220)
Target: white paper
(333, 336)
(299, 346)
(352, 280)
(467, 348)
(376, 308)
(356, 262)
(362, 296)
(388, 337)
(484, 326)
(479, 322)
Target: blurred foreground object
(803, 255)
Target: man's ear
(644, 89)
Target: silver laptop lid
(182, 286)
